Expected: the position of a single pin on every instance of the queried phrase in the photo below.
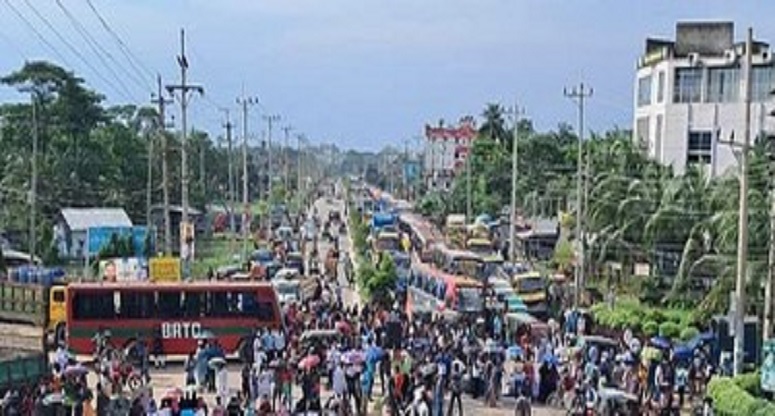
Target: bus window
(87, 306)
(218, 305)
(193, 303)
(137, 305)
(169, 305)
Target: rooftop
(81, 219)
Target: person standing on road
(456, 387)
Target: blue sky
(366, 73)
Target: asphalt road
(173, 375)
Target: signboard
(99, 237)
(164, 269)
(768, 365)
(119, 270)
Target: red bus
(181, 313)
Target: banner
(164, 269)
(99, 237)
(120, 270)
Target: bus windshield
(469, 299)
(531, 284)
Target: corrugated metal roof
(79, 219)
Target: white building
(446, 150)
(689, 96)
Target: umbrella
(309, 362)
(660, 342)
(344, 327)
(216, 362)
(53, 398)
(514, 352)
(375, 353)
(75, 370)
(173, 392)
(429, 369)
(206, 334)
(353, 357)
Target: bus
(531, 288)
(459, 262)
(457, 293)
(179, 313)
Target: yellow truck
(531, 288)
(39, 305)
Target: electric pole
(161, 102)
(742, 228)
(270, 119)
(287, 131)
(517, 112)
(186, 242)
(579, 96)
(245, 102)
(229, 158)
(34, 181)
(299, 161)
(469, 203)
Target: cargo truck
(35, 298)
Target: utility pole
(287, 131)
(161, 102)
(469, 203)
(270, 119)
(299, 161)
(186, 242)
(245, 102)
(149, 184)
(229, 158)
(742, 227)
(34, 181)
(579, 96)
(768, 288)
(517, 112)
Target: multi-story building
(690, 93)
(446, 150)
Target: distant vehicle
(288, 291)
(39, 304)
(182, 313)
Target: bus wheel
(60, 334)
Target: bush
(669, 330)
(750, 382)
(650, 328)
(731, 399)
(688, 333)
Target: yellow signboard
(164, 269)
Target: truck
(35, 298)
(383, 222)
(23, 357)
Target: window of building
(644, 91)
(658, 136)
(700, 148)
(688, 85)
(642, 133)
(661, 86)
(723, 85)
(762, 82)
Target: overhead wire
(127, 94)
(39, 35)
(134, 62)
(99, 50)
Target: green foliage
(669, 330)
(564, 255)
(731, 398)
(750, 382)
(650, 328)
(631, 314)
(688, 333)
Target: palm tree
(494, 125)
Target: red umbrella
(309, 362)
(344, 327)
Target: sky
(362, 74)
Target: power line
(134, 62)
(98, 49)
(40, 37)
(78, 54)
